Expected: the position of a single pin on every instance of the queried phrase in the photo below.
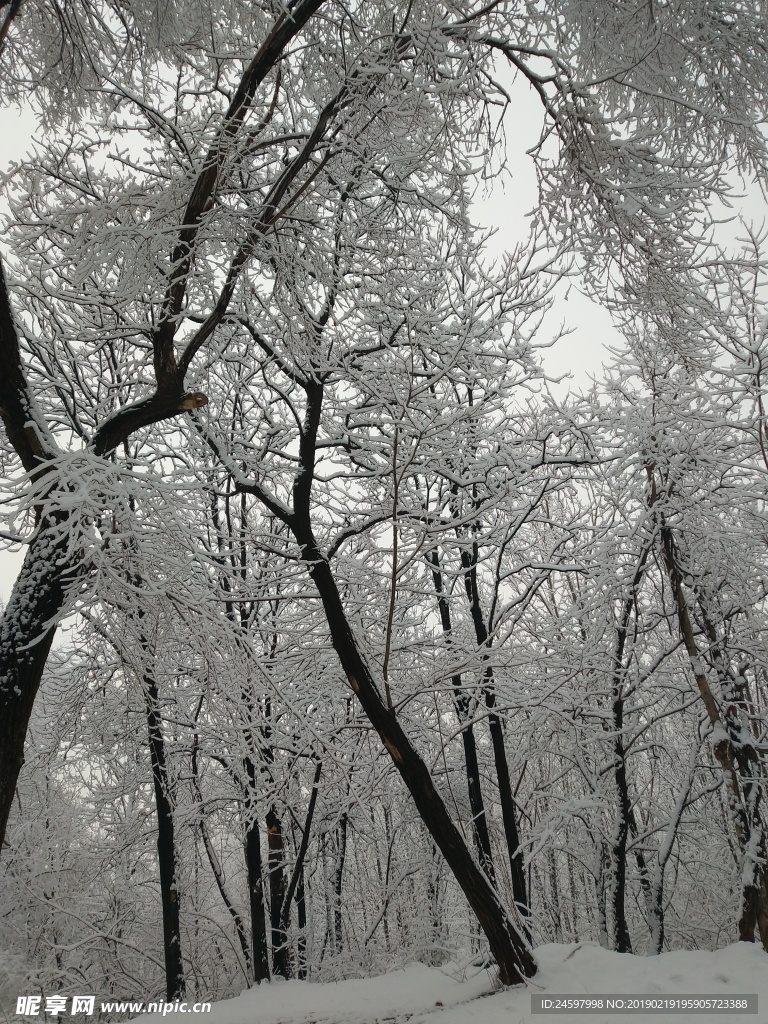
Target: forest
(345, 638)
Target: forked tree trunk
(496, 729)
(462, 705)
(509, 948)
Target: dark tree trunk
(301, 918)
(657, 918)
(621, 940)
(512, 954)
(28, 624)
(618, 852)
(433, 896)
(166, 844)
(26, 635)
(496, 729)
(463, 706)
(277, 887)
(254, 874)
(508, 812)
(338, 879)
(601, 858)
(554, 888)
(260, 946)
(281, 965)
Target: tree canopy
(279, 443)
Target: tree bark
(762, 909)
(27, 629)
(621, 939)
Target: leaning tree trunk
(735, 754)
(509, 948)
(27, 629)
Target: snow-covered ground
(424, 995)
